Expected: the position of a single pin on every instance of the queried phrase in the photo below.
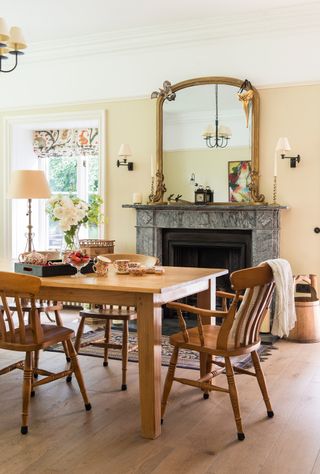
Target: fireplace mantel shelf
(207, 208)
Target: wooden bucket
(307, 328)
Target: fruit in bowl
(78, 259)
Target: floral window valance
(66, 142)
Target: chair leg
(208, 370)
(36, 363)
(79, 335)
(78, 374)
(261, 382)
(234, 398)
(26, 392)
(107, 340)
(59, 323)
(125, 340)
(169, 380)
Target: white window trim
(56, 120)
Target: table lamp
(29, 184)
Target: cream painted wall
(134, 123)
(289, 111)
(294, 112)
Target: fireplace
(207, 248)
(260, 223)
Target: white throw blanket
(284, 313)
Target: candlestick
(274, 190)
(275, 164)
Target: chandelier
(11, 43)
(218, 136)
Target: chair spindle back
(17, 287)
(241, 327)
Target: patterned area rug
(187, 359)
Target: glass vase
(70, 242)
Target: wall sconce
(283, 145)
(124, 152)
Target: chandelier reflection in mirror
(11, 43)
(219, 135)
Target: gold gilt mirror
(207, 138)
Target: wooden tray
(50, 270)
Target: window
(78, 176)
(70, 158)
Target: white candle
(152, 167)
(136, 198)
(275, 164)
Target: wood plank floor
(197, 437)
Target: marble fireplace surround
(262, 220)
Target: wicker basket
(94, 247)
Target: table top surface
(173, 278)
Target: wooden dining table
(147, 293)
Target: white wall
(264, 57)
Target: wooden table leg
(149, 343)
(207, 300)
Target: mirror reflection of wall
(184, 148)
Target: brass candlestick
(274, 190)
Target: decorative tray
(54, 268)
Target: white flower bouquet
(71, 212)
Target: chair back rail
(247, 319)
(19, 287)
(133, 257)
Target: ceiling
(46, 20)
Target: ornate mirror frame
(168, 93)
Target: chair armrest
(200, 314)
(225, 294)
(196, 310)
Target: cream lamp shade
(4, 30)
(283, 145)
(125, 150)
(16, 40)
(28, 184)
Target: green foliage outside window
(63, 174)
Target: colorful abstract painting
(239, 179)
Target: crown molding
(263, 23)
(55, 106)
